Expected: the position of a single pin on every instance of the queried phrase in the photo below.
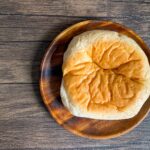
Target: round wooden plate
(51, 76)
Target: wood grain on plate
(51, 77)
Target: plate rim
(75, 132)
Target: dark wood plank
(55, 7)
(45, 28)
(19, 71)
(32, 28)
(77, 8)
(23, 51)
(20, 61)
(25, 124)
(134, 8)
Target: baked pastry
(106, 75)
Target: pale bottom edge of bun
(127, 113)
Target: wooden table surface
(26, 29)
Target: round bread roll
(106, 75)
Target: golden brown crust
(106, 77)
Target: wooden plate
(51, 76)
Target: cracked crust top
(106, 75)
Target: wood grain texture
(20, 61)
(55, 7)
(25, 123)
(76, 8)
(45, 28)
(26, 28)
